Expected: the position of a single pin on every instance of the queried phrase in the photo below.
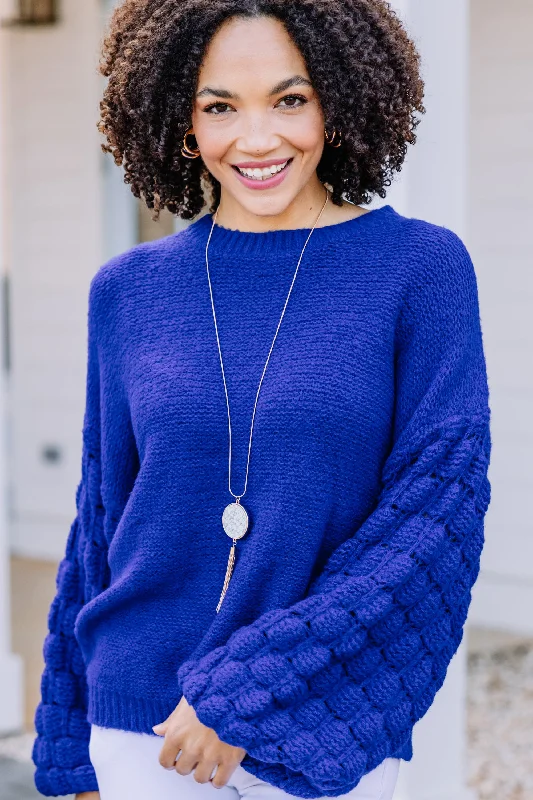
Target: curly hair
(362, 63)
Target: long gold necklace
(235, 516)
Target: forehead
(254, 52)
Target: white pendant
(235, 520)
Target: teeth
(262, 174)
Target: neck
(300, 213)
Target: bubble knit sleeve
(321, 692)
(60, 750)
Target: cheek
(212, 140)
(306, 133)
(309, 140)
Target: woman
(283, 646)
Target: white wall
(120, 207)
(70, 212)
(501, 241)
(11, 664)
(56, 234)
(433, 186)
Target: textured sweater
(367, 492)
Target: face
(257, 118)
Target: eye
(293, 101)
(217, 108)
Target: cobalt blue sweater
(367, 493)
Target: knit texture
(367, 492)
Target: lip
(269, 183)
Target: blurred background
(64, 210)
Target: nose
(258, 135)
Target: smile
(264, 173)
(262, 177)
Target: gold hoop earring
(331, 139)
(186, 151)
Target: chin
(267, 203)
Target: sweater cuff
(56, 782)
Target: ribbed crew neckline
(248, 242)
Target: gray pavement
(17, 768)
(16, 780)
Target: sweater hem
(110, 709)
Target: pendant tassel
(229, 570)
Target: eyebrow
(296, 80)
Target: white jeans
(127, 766)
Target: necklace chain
(238, 497)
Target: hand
(201, 749)
(87, 796)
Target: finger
(204, 771)
(187, 762)
(223, 774)
(160, 728)
(170, 749)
